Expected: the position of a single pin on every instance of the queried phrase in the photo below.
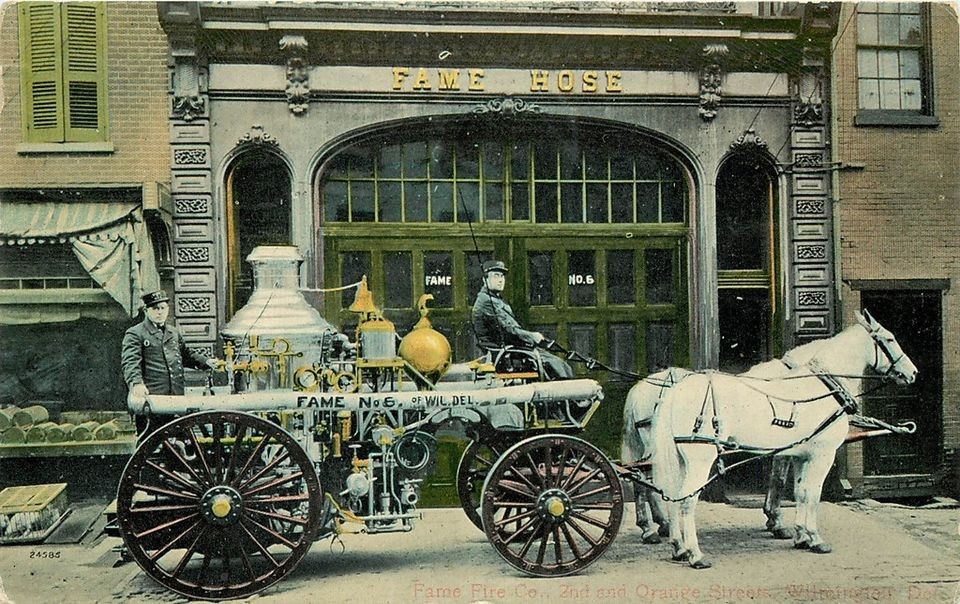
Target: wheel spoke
(253, 456)
(512, 519)
(201, 456)
(536, 469)
(542, 552)
(516, 472)
(245, 558)
(275, 483)
(270, 532)
(515, 488)
(579, 485)
(597, 523)
(260, 546)
(548, 467)
(164, 526)
(189, 553)
(557, 548)
(596, 491)
(280, 517)
(595, 506)
(582, 533)
(266, 469)
(185, 463)
(571, 541)
(166, 548)
(533, 536)
(176, 478)
(573, 473)
(238, 439)
(158, 491)
(155, 509)
(219, 471)
(204, 567)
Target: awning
(109, 239)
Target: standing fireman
(154, 353)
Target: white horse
(802, 415)
(637, 442)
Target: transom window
(891, 74)
(471, 178)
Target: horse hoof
(802, 545)
(821, 548)
(681, 557)
(652, 539)
(700, 564)
(782, 533)
(663, 530)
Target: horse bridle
(880, 345)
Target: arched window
(465, 175)
(746, 260)
(257, 213)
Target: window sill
(54, 296)
(97, 147)
(895, 118)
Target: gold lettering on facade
(539, 80)
(449, 79)
(565, 80)
(613, 81)
(399, 75)
(475, 75)
(423, 80)
(589, 81)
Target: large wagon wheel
(552, 505)
(475, 464)
(218, 506)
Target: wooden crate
(29, 514)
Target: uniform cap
(494, 265)
(155, 298)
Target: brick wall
(138, 105)
(900, 214)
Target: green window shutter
(41, 71)
(84, 72)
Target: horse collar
(839, 392)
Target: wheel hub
(554, 505)
(221, 505)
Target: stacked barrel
(32, 425)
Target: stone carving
(191, 206)
(193, 255)
(190, 157)
(507, 106)
(812, 298)
(748, 142)
(809, 113)
(193, 304)
(808, 160)
(711, 79)
(811, 252)
(188, 108)
(257, 136)
(811, 206)
(206, 351)
(298, 73)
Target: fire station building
(661, 179)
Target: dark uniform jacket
(156, 358)
(495, 325)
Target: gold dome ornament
(424, 348)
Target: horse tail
(666, 459)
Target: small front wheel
(551, 505)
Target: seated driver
(496, 327)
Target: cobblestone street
(882, 552)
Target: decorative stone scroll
(748, 142)
(193, 304)
(257, 137)
(197, 205)
(298, 73)
(507, 106)
(711, 79)
(193, 255)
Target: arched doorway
(257, 212)
(747, 261)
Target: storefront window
(546, 179)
